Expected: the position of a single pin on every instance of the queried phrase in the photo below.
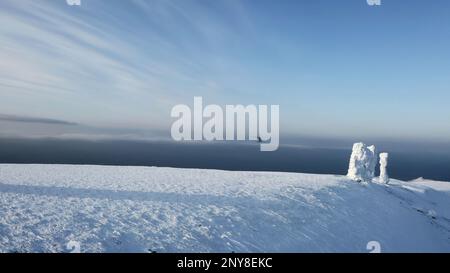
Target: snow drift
(45, 208)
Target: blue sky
(336, 68)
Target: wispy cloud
(100, 63)
(124, 64)
(34, 120)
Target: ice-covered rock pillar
(372, 161)
(384, 177)
(362, 162)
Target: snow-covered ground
(144, 209)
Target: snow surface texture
(46, 208)
(384, 177)
(363, 161)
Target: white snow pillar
(362, 162)
(384, 177)
(354, 168)
(372, 162)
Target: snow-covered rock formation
(384, 177)
(362, 162)
(372, 161)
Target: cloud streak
(125, 64)
(13, 118)
(86, 58)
